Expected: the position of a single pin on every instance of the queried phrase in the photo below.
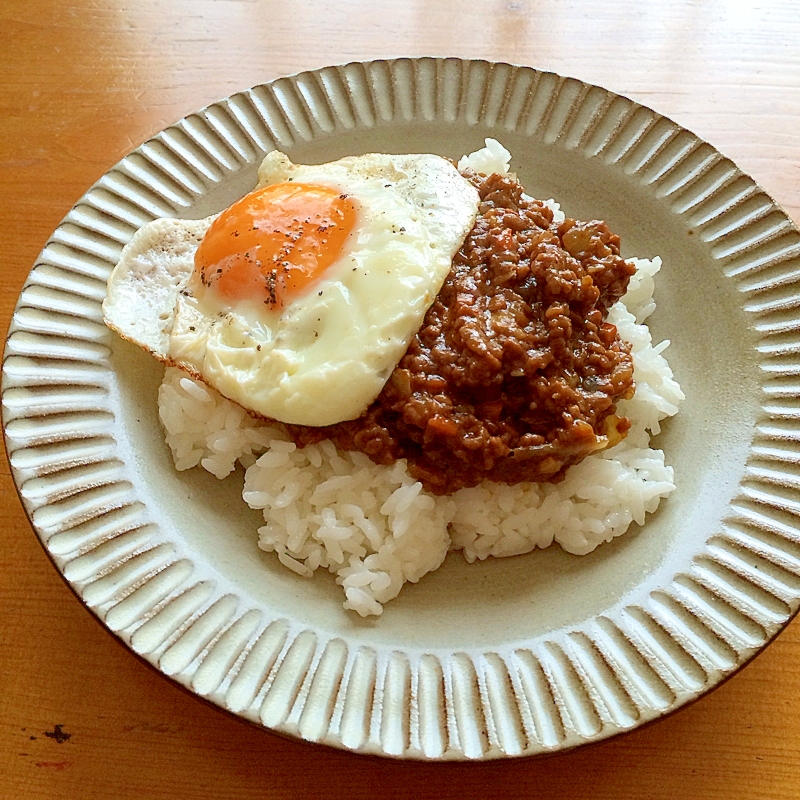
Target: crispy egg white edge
(154, 266)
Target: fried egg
(298, 300)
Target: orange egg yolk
(274, 244)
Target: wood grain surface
(81, 84)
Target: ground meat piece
(515, 373)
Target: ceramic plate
(506, 657)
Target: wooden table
(83, 83)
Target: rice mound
(376, 528)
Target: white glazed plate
(506, 657)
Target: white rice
(376, 528)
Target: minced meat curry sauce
(514, 374)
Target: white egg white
(325, 356)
